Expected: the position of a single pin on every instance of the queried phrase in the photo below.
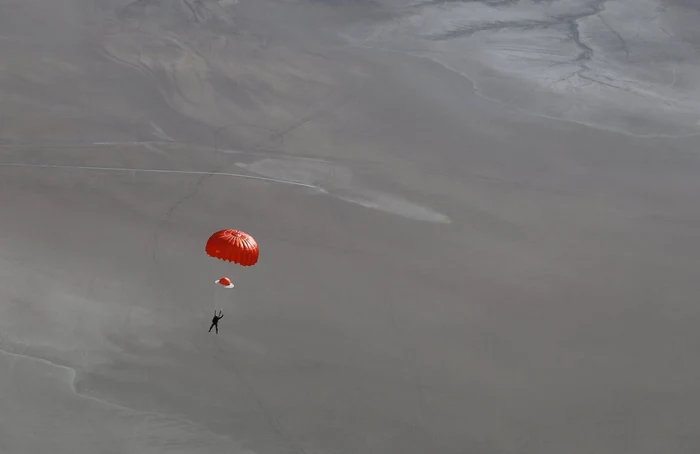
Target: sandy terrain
(441, 271)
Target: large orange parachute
(233, 246)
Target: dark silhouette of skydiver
(215, 321)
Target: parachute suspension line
(223, 285)
(219, 295)
(215, 296)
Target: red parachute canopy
(233, 246)
(224, 282)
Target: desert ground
(479, 226)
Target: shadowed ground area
(440, 271)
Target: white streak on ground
(162, 171)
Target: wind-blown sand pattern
(478, 224)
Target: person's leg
(212, 325)
(217, 329)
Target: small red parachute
(233, 246)
(225, 282)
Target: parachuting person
(215, 321)
(235, 246)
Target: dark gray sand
(441, 271)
